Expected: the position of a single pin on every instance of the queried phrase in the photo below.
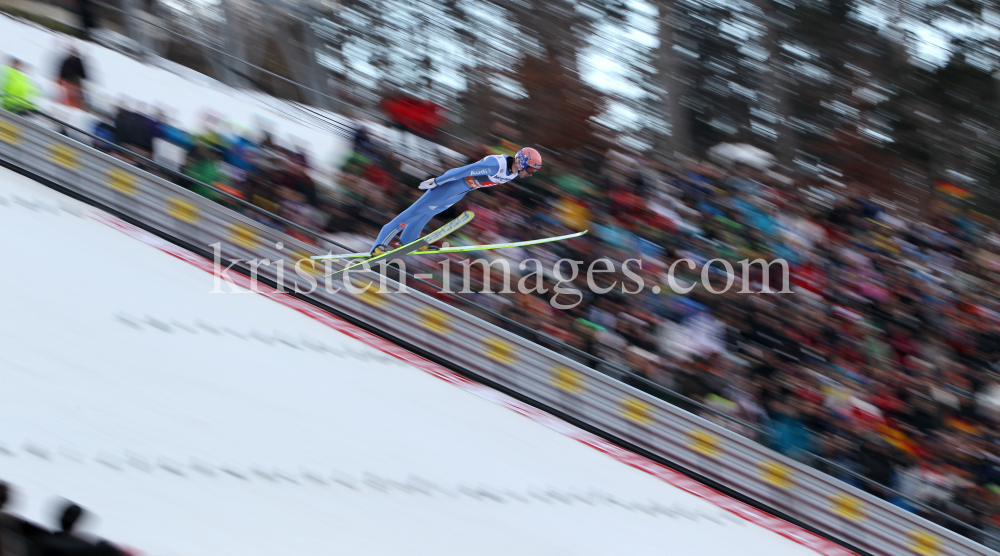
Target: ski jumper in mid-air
(450, 187)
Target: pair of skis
(414, 247)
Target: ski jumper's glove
(428, 184)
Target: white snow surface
(111, 378)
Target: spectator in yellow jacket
(19, 93)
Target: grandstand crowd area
(879, 369)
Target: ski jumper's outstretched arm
(488, 166)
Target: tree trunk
(234, 44)
(133, 27)
(775, 90)
(670, 74)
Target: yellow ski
(459, 249)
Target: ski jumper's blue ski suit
(450, 188)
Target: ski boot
(427, 250)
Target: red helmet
(529, 159)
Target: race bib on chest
(475, 183)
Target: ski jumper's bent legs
(392, 228)
(412, 230)
(420, 213)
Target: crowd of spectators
(225, 167)
(20, 537)
(879, 368)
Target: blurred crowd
(879, 368)
(20, 537)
